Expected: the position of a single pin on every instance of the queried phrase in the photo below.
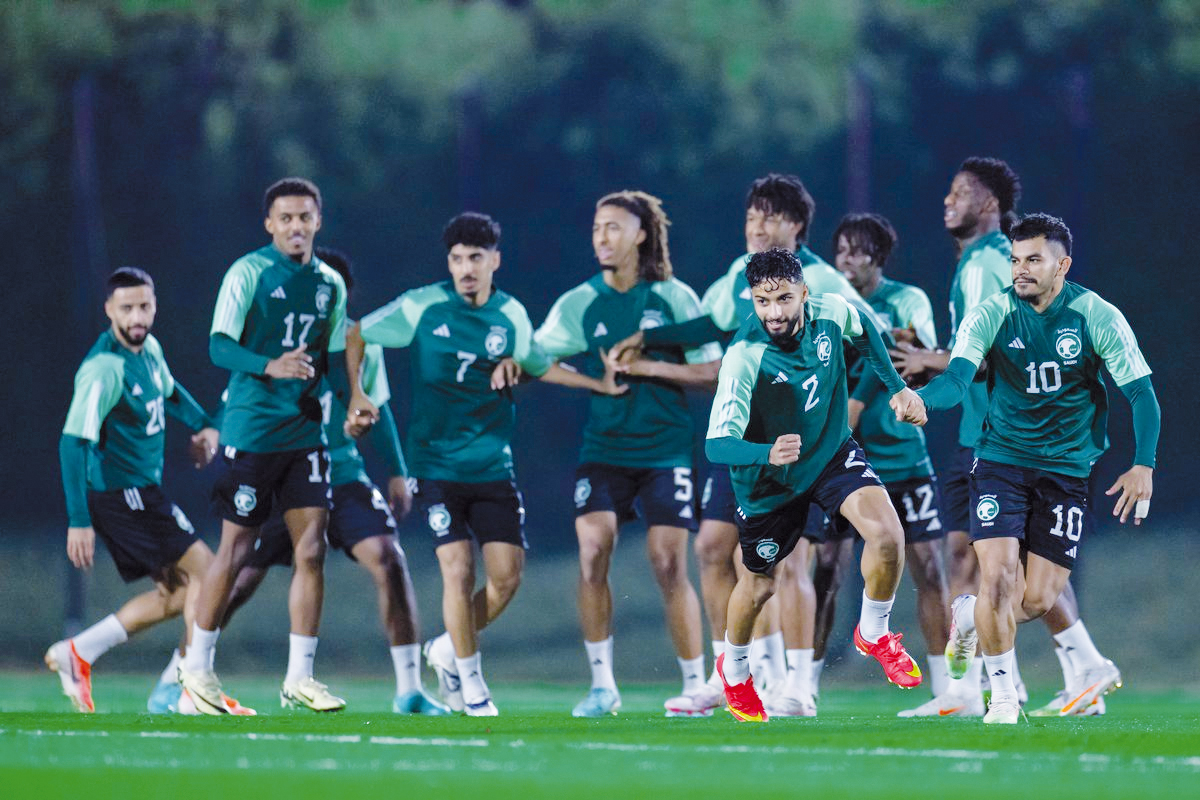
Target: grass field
(1148, 744)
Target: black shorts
(717, 502)
(664, 495)
(358, 511)
(248, 485)
(769, 538)
(956, 490)
(1046, 511)
(143, 530)
(492, 511)
(917, 505)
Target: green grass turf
(1148, 744)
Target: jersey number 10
(1047, 374)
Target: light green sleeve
(154, 348)
(720, 302)
(97, 391)
(561, 335)
(373, 378)
(337, 320)
(977, 332)
(823, 279)
(395, 324)
(235, 297)
(526, 352)
(836, 308)
(989, 271)
(685, 305)
(1113, 338)
(913, 310)
(735, 388)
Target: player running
(780, 421)
(1045, 340)
(637, 447)
(112, 462)
(280, 315)
(361, 523)
(459, 442)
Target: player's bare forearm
(854, 409)
(399, 497)
(561, 376)
(695, 376)
(361, 413)
(203, 446)
(1136, 486)
(914, 362)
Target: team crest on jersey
(651, 318)
(824, 348)
(245, 499)
(583, 490)
(324, 295)
(767, 550)
(439, 519)
(987, 509)
(496, 341)
(1068, 345)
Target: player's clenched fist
(786, 450)
(909, 407)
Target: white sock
(1068, 670)
(1075, 640)
(873, 618)
(406, 660)
(693, 673)
(776, 656)
(939, 679)
(818, 666)
(799, 672)
(171, 673)
(443, 646)
(100, 638)
(202, 649)
(737, 663)
(999, 670)
(973, 680)
(1016, 670)
(600, 656)
(964, 614)
(301, 652)
(470, 672)
(758, 655)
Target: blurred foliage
(406, 111)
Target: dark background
(145, 132)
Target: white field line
(1088, 761)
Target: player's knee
(593, 560)
(505, 584)
(712, 551)
(762, 588)
(668, 567)
(309, 554)
(1036, 603)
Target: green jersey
(1048, 407)
(269, 304)
(650, 425)
(120, 407)
(983, 269)
(897, 449)
(461, 428)
(729, 303)
(765, 391)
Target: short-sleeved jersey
(269, 304)
(1048, 407)
(765, 391)
(650, 425)
(461, 429)
(897, 449)
(983, 269)
(120, 406)
(346, 463)
(729, 302)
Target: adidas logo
(279, 293)
(745, 295)
(137, 390)
(442, 330)
(998, 673)
(1071, 553)
(597, 662)
(780, 378)
(601, 330)
(1017, 344)
(686, 513)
